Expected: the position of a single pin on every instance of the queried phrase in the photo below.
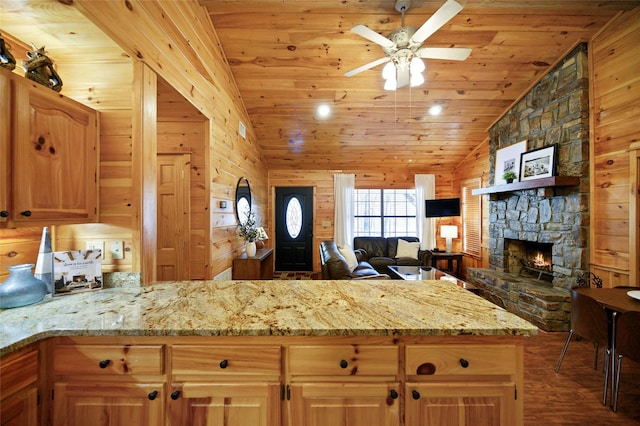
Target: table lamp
(448, 232)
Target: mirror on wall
(243, 199)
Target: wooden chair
(627, 344)
(590, 321)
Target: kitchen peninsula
(273, 352)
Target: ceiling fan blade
(451, 53)
(367, 66)
(447, 11)
(403, 77)
(369, 34)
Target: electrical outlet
(96, 245)
(117, 250)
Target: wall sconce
(448, 232)
(223, 204)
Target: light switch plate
(117, 250)
(96, 245)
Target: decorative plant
(509, 175)
(248, 229)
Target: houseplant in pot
(509, 176)
(249, 232)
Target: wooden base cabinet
(19, 387)
(349, 404)
(478, 404)
(108, 404)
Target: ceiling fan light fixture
(389, 71)
(416, 79)
(416, 66)
(390, 84)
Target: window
(471, 218)
(385, 212)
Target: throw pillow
(347, 252)
(407, 249)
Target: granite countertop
(263, 308)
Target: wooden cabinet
(109, 384)
(53, 143)
(19, 385)
(225, 384)
(462, 384)
(354, 385)
(258, 267)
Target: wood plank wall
(322, 182)
(615, 114)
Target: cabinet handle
(415, 394)
(224, 363)
(393, 394)
(104, 363)
(152, 395)
(464, 363)
(4, 213)
(175, 395)
(343, 364)
(26, 213)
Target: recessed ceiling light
(435, 110)
(323, 111)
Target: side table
(449, 257)
(258, 267)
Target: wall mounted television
(443, 207)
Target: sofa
(381, 252)
(335, 265)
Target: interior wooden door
(174, 213)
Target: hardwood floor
(573, 395)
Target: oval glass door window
(293, 217)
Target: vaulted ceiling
(289, 56)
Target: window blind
(471, 217)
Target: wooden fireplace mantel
(549, 182)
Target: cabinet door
(5, 137)
(108, 404)
(347, 404)
(55, 158)
(20, 409)
(460, 404)
(225, 404)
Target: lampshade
(262, 235)
(449, 231)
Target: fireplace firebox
(529, 259)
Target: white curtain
(343, 193)
(425, 190)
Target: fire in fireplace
(530, 258)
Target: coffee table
(418, 273)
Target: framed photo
(539, 163)
(508, 159)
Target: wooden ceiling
(289, 56)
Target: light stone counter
(263, 308)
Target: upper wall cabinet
(53, 143)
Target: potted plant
(249, 232)
(509, 176)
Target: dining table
(616, 300)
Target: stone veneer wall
(555, 111)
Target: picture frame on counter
(508, 159)
(539, 163)
(76, 271)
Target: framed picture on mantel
(539, 163)
(508, 159)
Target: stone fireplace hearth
(552, 220)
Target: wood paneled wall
(322, 182)
(615, 114)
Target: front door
(173, 217)
(294, 229)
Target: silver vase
(21, 288)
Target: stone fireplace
(552, 221)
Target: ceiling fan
(404, 47)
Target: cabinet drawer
(18, 372)
(460, 359)
(108, 359)
(343, 360)
(225, 360)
